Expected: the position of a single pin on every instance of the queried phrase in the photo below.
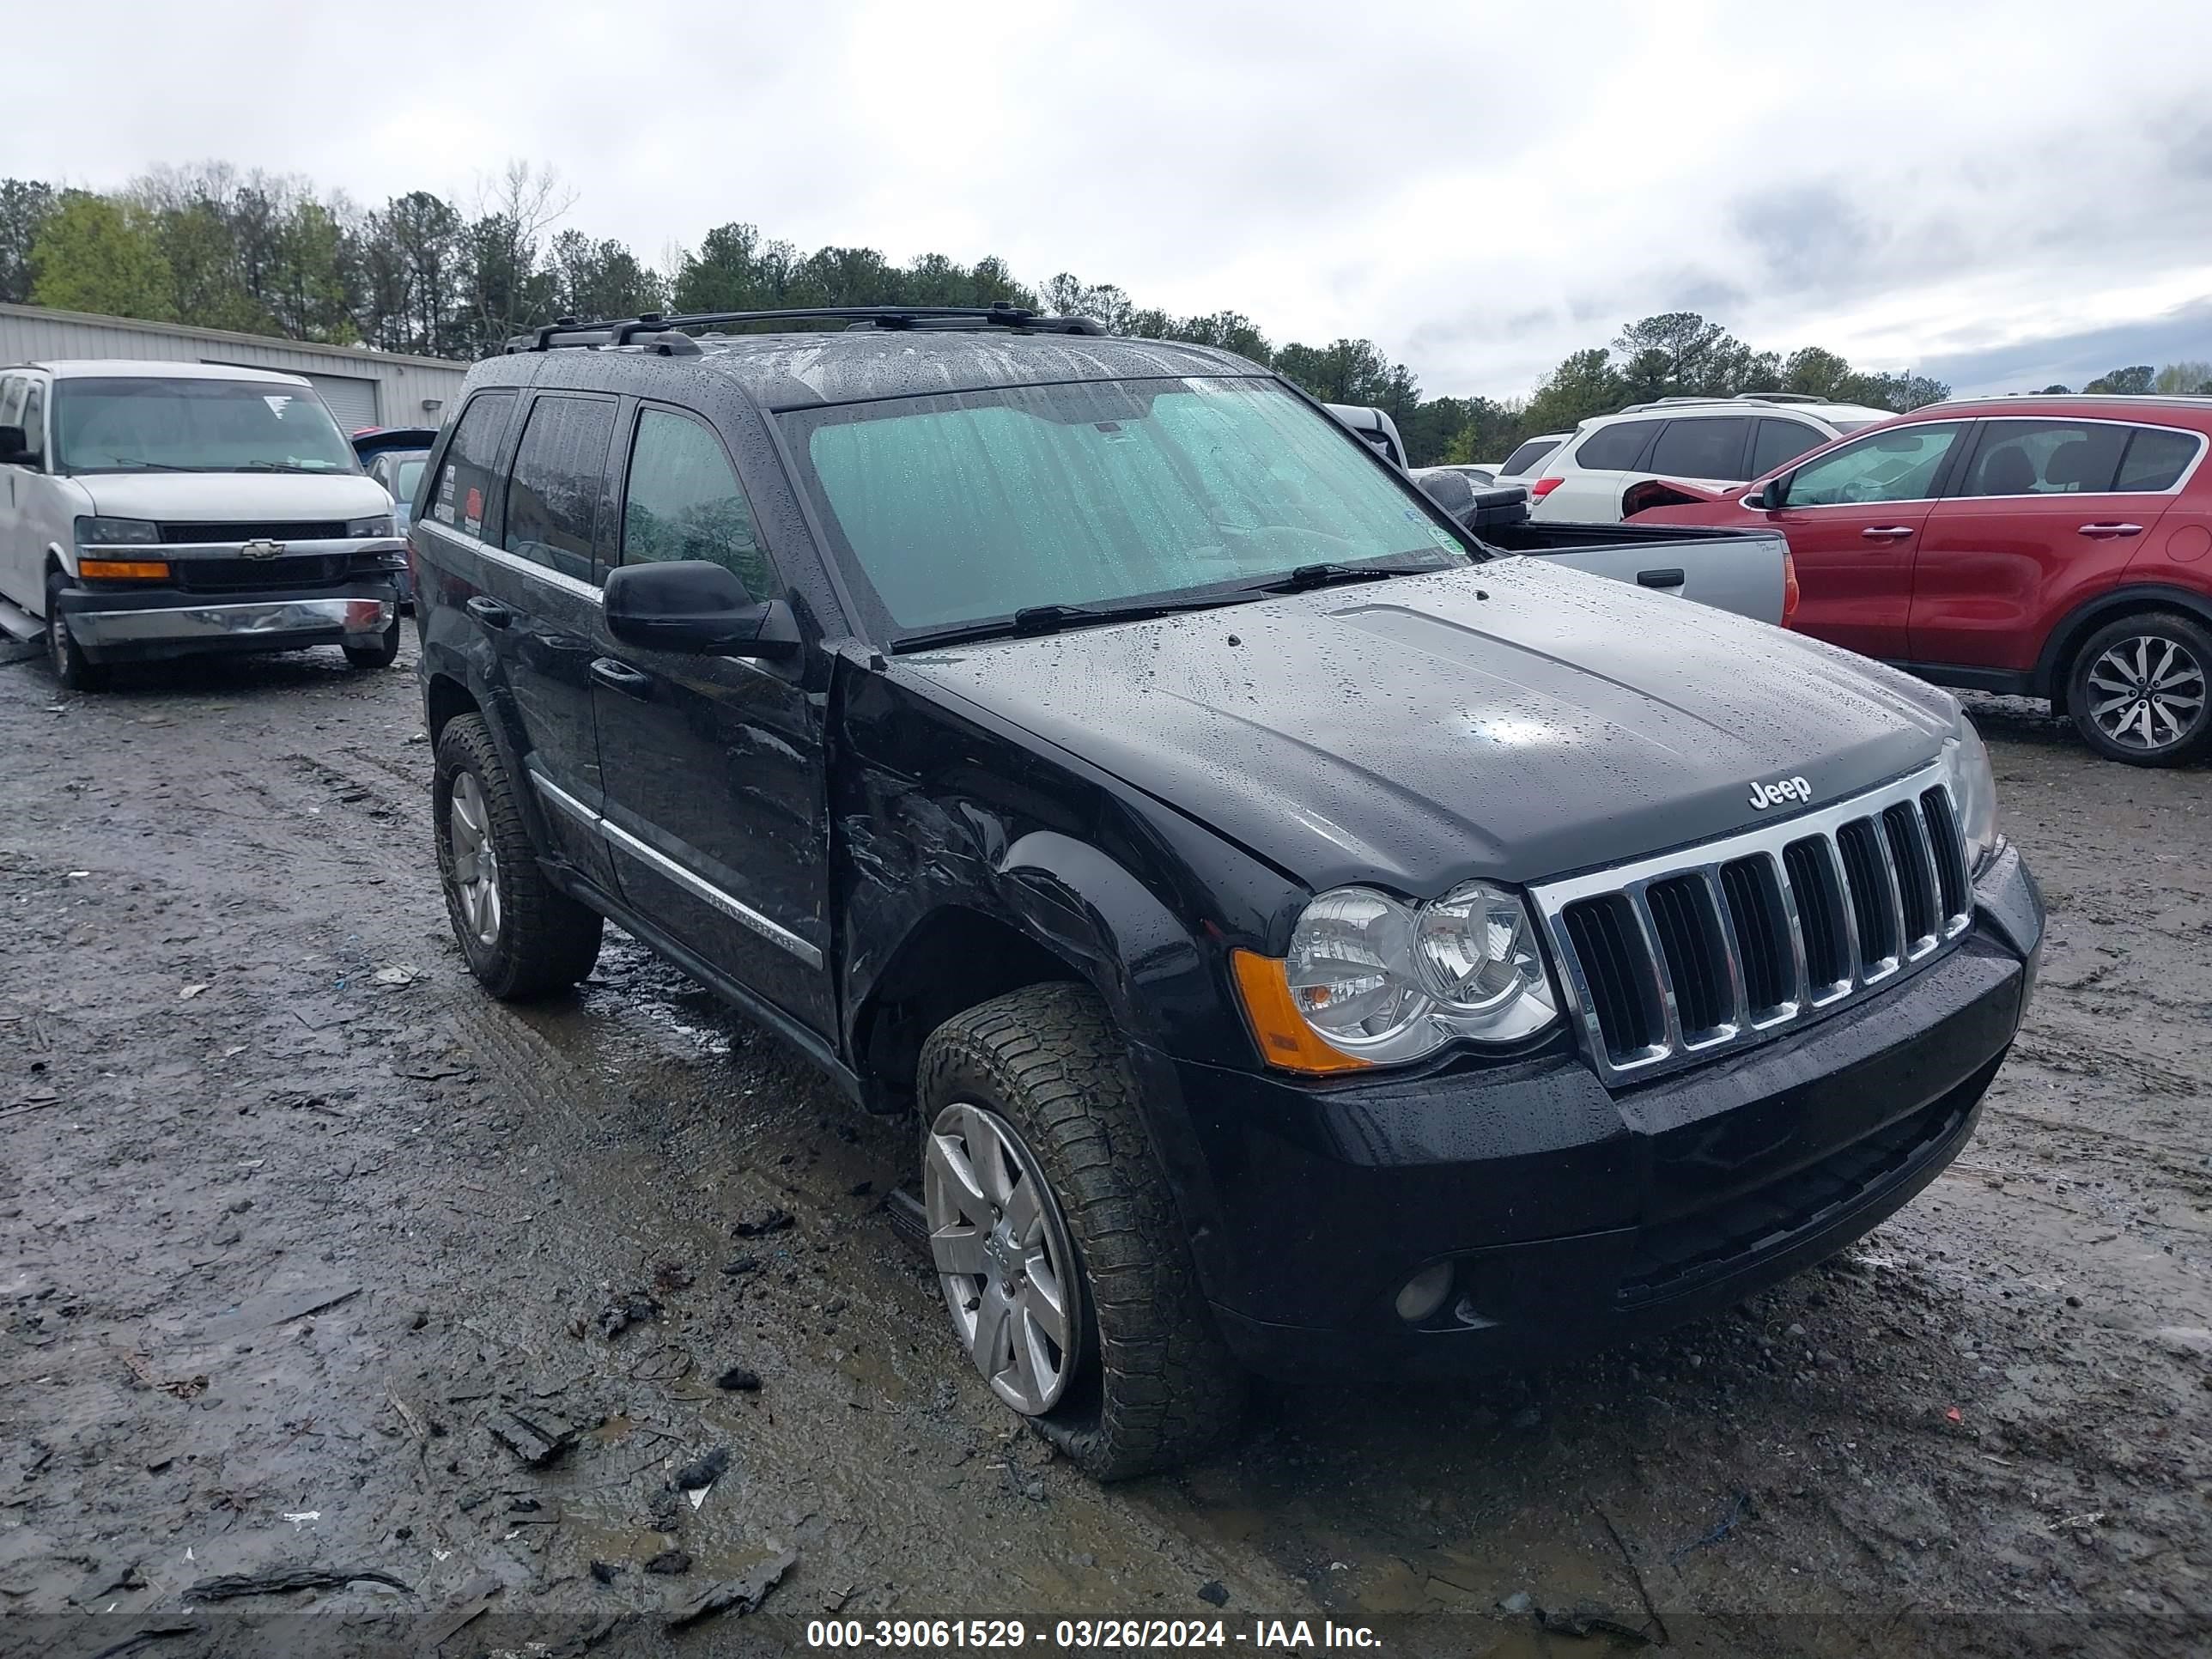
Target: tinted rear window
(1616, 448)
(2156, 458)
(2043, 458)
(552, 505)
(1524, 458)
(1708, 448)
(463, 491)
(1781, 441)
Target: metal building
(363, 388)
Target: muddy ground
(292, 1219)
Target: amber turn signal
(1286, 1040)
(110, 570)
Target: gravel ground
(307, 1249)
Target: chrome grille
(1676, 957)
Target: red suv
(2049, 547)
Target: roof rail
(1781, 398)
(567, 331)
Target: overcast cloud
(1997, 193)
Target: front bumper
(154, 624)
(1574, 1216)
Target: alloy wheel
(476, 858)
(2148, 692)
(1003, 1257)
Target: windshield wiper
(121, 462)
(1052, 618)
(1327, 575)
(275, 466)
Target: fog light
(1425, 1293)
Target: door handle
(1658, 578)
(621, 676)
(491, 612)
(2106, 531)
(1886, 532)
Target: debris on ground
(400, 973)
(605, 1571)
(761, 1225)
(702, 1472)
(1737, 1510)
(283, 1580)
(669, 1562)
(624, 1311)
(538, 1447)
(739, 1595)
(743, 1265)
(1214, 1591)
(672, 1276)
(740, 1379)
(468, 1604)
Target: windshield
(181, 425)
(969, 507)
(406, 476)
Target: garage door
(352, 400)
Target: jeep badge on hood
(1763, 795)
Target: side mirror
(697, 606)
(15, 446)
(1773, 492)
(1451, 491)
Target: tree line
(218, 248)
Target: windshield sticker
(1443, 538)
(473, 514)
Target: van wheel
(383, 654)
(1056, 1242)
(2140, 690)
(76, 671)
(522, 936)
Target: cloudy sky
(2000, 194)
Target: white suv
(1713, 442)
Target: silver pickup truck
(1746, 571)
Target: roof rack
(1726, 397)
(666, 335)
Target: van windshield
(964, 508)
(159, 424)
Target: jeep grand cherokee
(1305, 939)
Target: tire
(530, 940)
(72, 668)
(2140, 689)
(383, 654)
(1148, 1383)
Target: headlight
(380, 526)
(116, 533)
(1386, 981)
(1974, 789)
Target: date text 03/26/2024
(1263, 1635)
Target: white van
(150, 510)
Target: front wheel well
(956, 960)
(443, 700)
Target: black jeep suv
(1306, 940)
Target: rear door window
(1617, 448)
(682, 500)
(1709, 448)
(464, 492)
(2155, 457)
(1524, 458)
(2043, 458)
(33, 419)
(1779, 442)
(553, 501)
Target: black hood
(1510, 720)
